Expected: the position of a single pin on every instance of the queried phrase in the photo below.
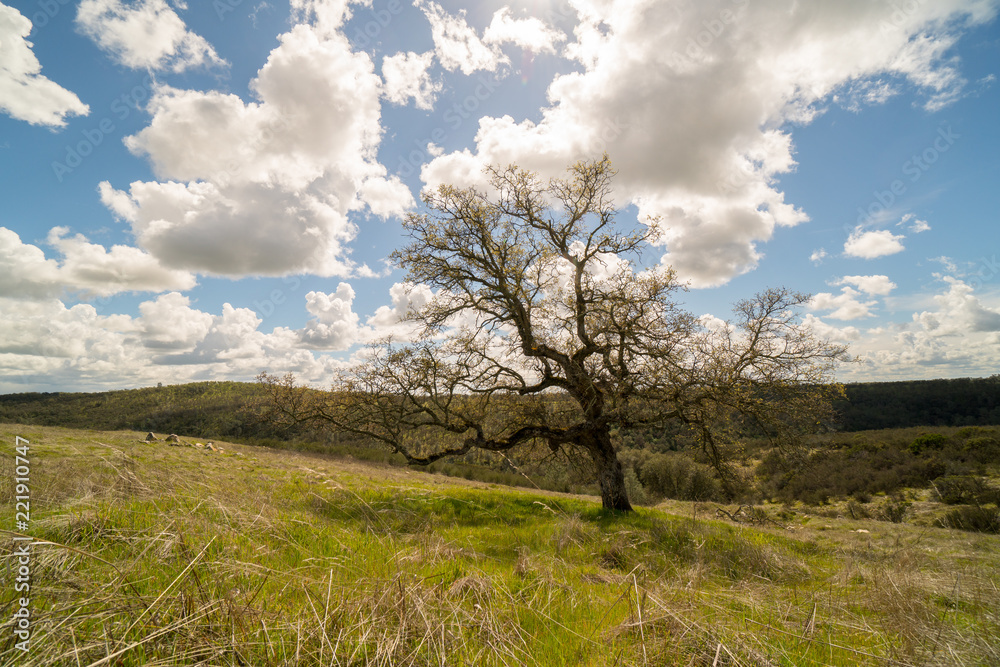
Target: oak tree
(544, 328)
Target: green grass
(148, 554)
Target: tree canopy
(544, 328)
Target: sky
(208, 190)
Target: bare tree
(543, 329)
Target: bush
(983, 449)
(678, 477)
(893, 509)
(964, 490)
(856, 510)
(973, 519)
(928, 441)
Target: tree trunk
(609, 473)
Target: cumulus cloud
(827, 331)
(872, 285)
(89, 268)
(334, 325)
(695, 104)
(75, 337)
(456, 44)
(406, 75)
(817, 256)
(84, 268)
(531, 34)
(959, 336)
(24, 93)
(146, 34)
(959, 311)
(170, 323)
(390, 320)
(46, 344)
(24, 270)
(265, 187)
(843, 306)
(872, 244)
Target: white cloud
(334, 325)
(169, 323)
(844, 306)
(145, 34)
(24, 93)
(530, 33)
(869, 245)
(695, 104)
(233, 346)
(85, 268)
(817, 256)
(456, 44)
(827, 331)
(89, 268)
(24, 270)
(871, 285)
(947, 262)
(326, 16)
(958, 337)
(406, 75)
(264, 188)
(44, 344)
(386, 197)
(959, 311)
(76, 337)
(389, 320)
(915, 225)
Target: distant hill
(961, 402)
(208, 409)
(215, 409)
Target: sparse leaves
(542, 328)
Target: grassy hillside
(215, 408)
(202, 408)
(150, 554)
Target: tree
(542, 328)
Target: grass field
(150, 554)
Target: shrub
(927, 441)
(964, 490)
(893, 509)
(973, 519)
(856, 510)
(678, 477)
(983, 449)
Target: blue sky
(207, 190)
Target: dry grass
(156, 555)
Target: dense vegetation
(155, 555)
(205, 408)
(214, 409)
(959, 402)
(872, 469)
